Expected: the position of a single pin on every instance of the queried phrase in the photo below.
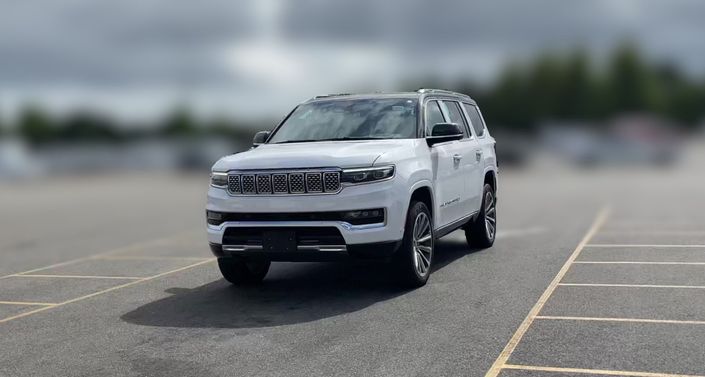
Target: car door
(446, 158)
(485, 149)
(470, 167)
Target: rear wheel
(414, 259)
(238, 270)
(481, 232)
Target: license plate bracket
(279, 241)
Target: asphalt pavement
(594, 272)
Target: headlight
(365, 175)
(219, 179)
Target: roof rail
(442, 91)
(332, 95)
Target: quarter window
(475, 119)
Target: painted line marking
(508, 233)
(637, 262)
(503, 357)
(632, 285)
(594, 371)
(125, 249)
(145, 257)
(78, 277)
(641, 245)
(21, 315)
(613, 319)
(27, 303)
(648, 232)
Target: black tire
(480, 233)
(405, 259)
(240, 271)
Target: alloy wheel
(490, 215)
(422, 244)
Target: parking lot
(593, 273)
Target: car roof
(419, 94)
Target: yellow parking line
(109, 252)
(637, 262)
(78, 277)
(642, 245)
(501, 360)
(594, 371)
(21, 315)
(145, 257)
(26, 303)
(44, 268)
(659, 232)
(612, 319)
(24, 314)
(632, 285)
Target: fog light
(214, 218)
(366, 216)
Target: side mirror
(442, 132)
(260, 138)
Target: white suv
(364, 176)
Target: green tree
(180, 123)
(88, 126)
(631, 85)
(507, 104)
(35, 126)
(577, 88)
(544, 79)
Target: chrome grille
(284, 182)
(313, 182)
(234, 184)
(296, 183)
(280, 184)
(248, 184)
(264, 184)
(331, 181)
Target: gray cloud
(217, 51)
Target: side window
(433, 115)
(475, 119)
(456, 116)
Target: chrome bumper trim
(322, 248)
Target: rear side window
(475, 119)
(433, 115)
(456, 116)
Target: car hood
(311, 155)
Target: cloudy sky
(137, 58)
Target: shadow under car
(292, 293)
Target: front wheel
(481, 232)
(415, 256)
(240, 271)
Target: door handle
(457, 157)
(478, 155)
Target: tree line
(573, 87)
(551, 86)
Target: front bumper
(379, 237)
(378, 250)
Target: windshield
(358, 119)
